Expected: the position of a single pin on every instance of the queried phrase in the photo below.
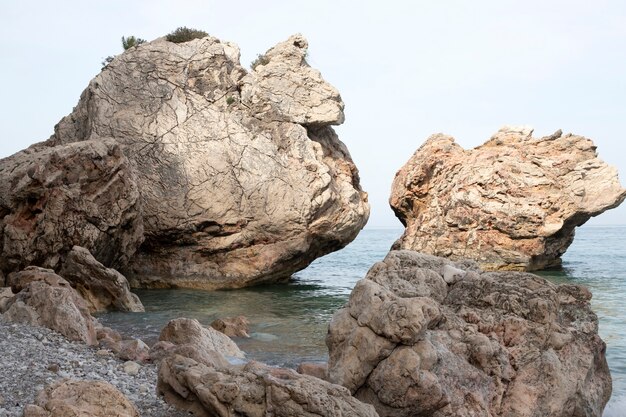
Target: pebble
(26, 366)
(131, 368)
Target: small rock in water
(53, 367)
(131, 368)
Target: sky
(405, 69)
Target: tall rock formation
(240, 176)
(425, 336)
(510, 204)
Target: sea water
(288, 322)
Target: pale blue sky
(405, 70)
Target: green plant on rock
(185, 34)
(107, 61)
(261, 59)
(230, 100)
(131, 41)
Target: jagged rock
(510, 204)
(48, 300)
(487, 344)
(254, 390)
(183, 331)
(242, 179)
(232, 326)
(102, 288)
(52, 198)
(68, 397)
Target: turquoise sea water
(288, 321)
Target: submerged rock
(510, 204)
(241, 176)
(81, 398)
(102, 288)
(254, 390)
(487, 344)
(232, 326)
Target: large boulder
(510, 204)
(102, 288)
(242, 179)
(68, 397)
(424, 336)
(184, 331)
(52, 198)
(253, 390)
(45, 299)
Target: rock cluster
(424, 336)
(253, 390)
(510, 204)
(228, 177)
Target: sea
(288, 322)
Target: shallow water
(288, 322)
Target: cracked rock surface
(510, 204)
(425, 336)
(242, 179)
(52, 198)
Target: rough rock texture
(185, 331)
(253, 390)
(102, 288)
(81, 398)
(242, 179)
(510, 204)
(485, 344)
(75, 194)
(232, 326)
(48, 300)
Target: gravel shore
(33, 357)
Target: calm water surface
(288, 322)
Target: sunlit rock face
(238, 175)
(510, 204)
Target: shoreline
(34, 357)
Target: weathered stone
(254, 390)
(242, 179)
(102, 288)
(5, 296)
(76, 194)
(51, 302)
(185, 331)
(133, 350)
(501, 344)
(510, 204)
(316, 369)
(81, 398)
(20, 280)
(131, 368)
(232, 326)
